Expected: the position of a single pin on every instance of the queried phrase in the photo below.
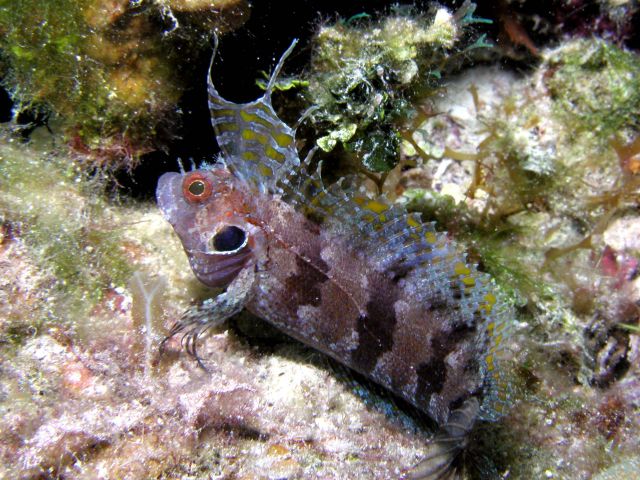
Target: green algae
(595, 87)
(107, 71)
(364, 73)
(625, 468)
(545, 177)
(61, 214)
(550, 145)
(58, 58)
(489, 242)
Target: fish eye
(196, 188)
(229, 239)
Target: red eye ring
(196, 187)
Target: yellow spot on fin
(251, 135)
(251, 156)
(273, 153)
(265, 170)
(430, 237)
(413, 222)
(376, 206)
(252, 117)
(469, 281)
(283, 139)
(461, 269)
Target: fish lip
(168, 195)
(198, 257)
(221, 273)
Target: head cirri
(210, 215)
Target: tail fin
(442, 461)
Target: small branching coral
(365, 72)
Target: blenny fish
(348, 273)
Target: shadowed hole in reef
(5, 105)
(27, 120)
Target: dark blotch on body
(432, 375)
(375, 329)
(431, 378)
(305, 283)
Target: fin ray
(258, 147)
(445, 448)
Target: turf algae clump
(108, 71)
(595, 87)
(78, 328)
(62, 219)
(365, 72)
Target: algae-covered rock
(625, 469)
(109, 71)
(48, 202)
(539, 187)
(595, 87)
(363, 72)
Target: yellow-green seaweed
(106, 70)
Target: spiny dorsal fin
(498, 394)
(258, 147)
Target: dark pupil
(196, 188)
(228, 239)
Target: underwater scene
(269, 240)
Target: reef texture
(537, 173)
(107, 75)
(541, 180)
(365, 73)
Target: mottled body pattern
(353, 276)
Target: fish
(347, 272)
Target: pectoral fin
(212, 312)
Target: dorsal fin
(498, 327)
(257, 146)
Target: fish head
(210, 214)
